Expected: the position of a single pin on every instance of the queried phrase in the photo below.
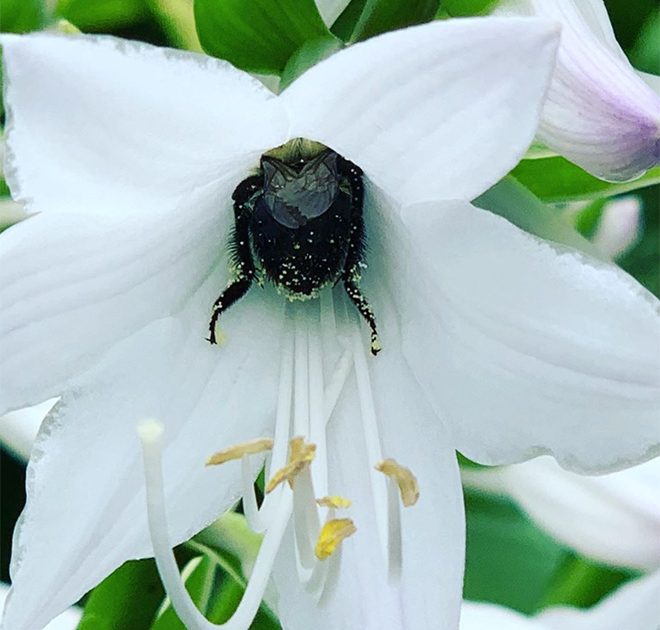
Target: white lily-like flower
(599, 112)
(619, 227)
(612, 518)
(633, 606)
(493, 341)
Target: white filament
(282, 428)
(250, 507)
(317, 417)
(301, 380)
(151, 438)
(283, 417)
(372, 439)
(394, 542)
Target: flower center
(299, 224)
(297, 472)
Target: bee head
(297, 192)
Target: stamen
(301, 368)
(316, 409)
(283, 417)
(402, 487)
(371, 437)
(250, 506)
(306, 523)
(300, 457)
(333, 533)
(282, 425)
(334, 502)
(150, 433)
(337, 382)
(394, 531)
(240, 450)
(404, 478)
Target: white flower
(633, 606)
(611, 518)
(599, 113)
(494, 341)
(619, 227)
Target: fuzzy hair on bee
(298, 223)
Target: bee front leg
(356, 250)
(241, 255)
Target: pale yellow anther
(335, 502)
(332, 534)
(301, 456)
(407, 482)
(238, 450)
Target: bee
(298, 223)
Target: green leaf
(231, 584)
(199, 577)
(258, 35)
(555, 179)
(381, 16)
(645, 55)
(22, 16)
(461, 8)
(102, 15)
(129, 598)
(345, 24)
(509, 560)
(582, 583)
(309, 54)
(177, 19)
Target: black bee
(299, 224)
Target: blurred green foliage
(254, 35)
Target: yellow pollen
(332, 534)
(407, 482)
(334, 502)
(237, 451)
(301, 456)
(220, 336)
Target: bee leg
(353, 292)
(356, 250)
(241, 256)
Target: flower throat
(298, 223)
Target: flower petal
(480, 616)
(428, 592)
(599, 113)
(524, 346)
(634, 606)
(68, 620)
(85, 513)
(436, 111)
(72, 286)
(99, 125)
(19, 428)
(611, 518)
